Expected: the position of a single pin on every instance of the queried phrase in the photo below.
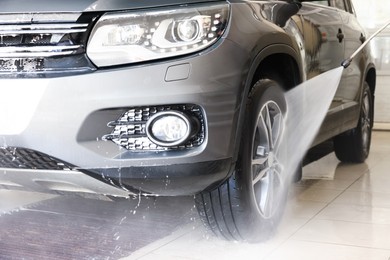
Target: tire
(354, 145)
(248, 206)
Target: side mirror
(286, 11)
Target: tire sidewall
(365, 148)
(253, 223)
(350, 146)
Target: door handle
(362, 38)
(340, 35)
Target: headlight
(128, 37)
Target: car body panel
(345, 108)
(66, 116)
(95, 93)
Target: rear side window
(344, 5)
(349, 6)
(340, 4)
(326, 3)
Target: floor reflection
(338, 211)
(74, 227)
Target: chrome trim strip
(57, 31)
(42, 26)
(37, 51)
(12, 29)
(18, 18)
(58, 181)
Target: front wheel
(249, 205)
(354, 145)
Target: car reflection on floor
(339, 211)
(75, 227)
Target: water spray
(307, 106)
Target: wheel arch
(281, 67)
(279, 62)
(370, 78)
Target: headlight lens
(128, 37)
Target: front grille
(41, 40)
(44, 42)
(130, 129)
(20, 158)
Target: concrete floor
(339, 211)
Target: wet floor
(75, 227)
(339, 211)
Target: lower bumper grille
(20, 158)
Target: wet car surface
(185, 98)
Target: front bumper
(66, 118)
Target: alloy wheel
(267, 170)
(366, 120)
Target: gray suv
(173, 97)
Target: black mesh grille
(130, 129)
(38, 39)
(20, 158)
(10, 40)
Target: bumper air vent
(21, 158)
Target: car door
(322, 27)
(348, 93)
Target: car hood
(28, 6)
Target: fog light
(169, 128)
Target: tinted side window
(339, 4)
(349, 6)
(326, 2)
